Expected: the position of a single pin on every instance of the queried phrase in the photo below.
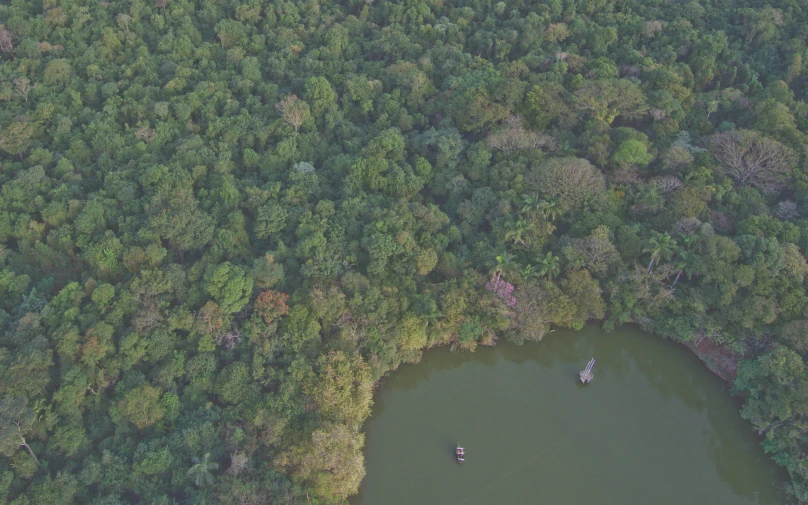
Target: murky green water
(654, 427)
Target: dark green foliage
(220, 222)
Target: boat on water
(460, 453)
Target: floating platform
(587, 375)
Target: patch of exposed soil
(720, 360)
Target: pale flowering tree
(786, 210)
(294, 111)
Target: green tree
(775, 384)
(596, 252)
(515, 231)
(56, 72)
(175, 216)
(320, 95)
(503, 262)
(16, 138)
(530, 203)
(632, 153)
(16, 421)
(585, 294)
(549, 265)
(270, 220)
(229, 285)
(141, 406)
(551, 208)
(201, 473)
(606, 99)
(332, 462)
(683, 261)
(661, 246)
(572, 180)
(342, 388)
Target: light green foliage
(413, 333)
(16, 137)
(141, 406)
(794, 262)
(320, 95)
(332, 462)
(229, 285)
(175, 217)
(56, 72)
(103, 294)
(341, 388)
(633, 153)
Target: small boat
(460, 453)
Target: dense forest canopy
(221, 221)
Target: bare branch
(23, 86)
(145, 134)
(786, 210)
(513, 136)
(650, 28)
(753, 160)
(658, 114)
(238, 462)
(229, 339)
(667, 183)
(293, 111)
(6, 40)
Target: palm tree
(551, 208)
(685, 256)
(503, 262)
(529, 272)
(431, 313)
(549, 266)
(530, 203)
(661, 246)
(516, 231)
(682, 265)
(565, 148)
(200, 473)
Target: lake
(653, 427)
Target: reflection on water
(653, 427)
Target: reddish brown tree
(271, 305)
